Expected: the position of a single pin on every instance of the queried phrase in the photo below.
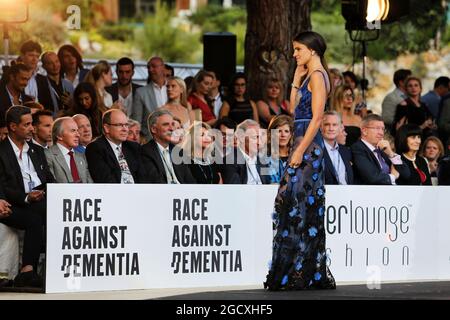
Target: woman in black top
(272, 103)
(407, 143)
(237, 106)
(412, 110)
(199, 144)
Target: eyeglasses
(119, 125)
(378, 128)
(349, 96)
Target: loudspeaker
(219, 54)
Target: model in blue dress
(299, 260)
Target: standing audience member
(215, 93)
(198, 97)
(151, 96)
(42, 124)
(71, 64)
(12, 91)
(85, 131)
(413, 110)
(374, 161)
(337, 158)
(111, 158)
(237, 106)
(123, 90)
(433, 98)
(407, 143)
(394, 98)
(272, 103)
(65, 163)
(59, 90)
(37, 86)
(169, 71)
(444, 118)
(158, 154)
(351, 80)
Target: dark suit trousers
(31, 221)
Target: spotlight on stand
(364, 19)
(370, 14)
(12, 11)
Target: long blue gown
(299, 257)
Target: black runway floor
(391, 291)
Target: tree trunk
(271, 26)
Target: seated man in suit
(66, 164)
(24, 174)
(338, 167)
(111, 158)
(244, 165)
(85, 131)
(374, 161)
(158, 153)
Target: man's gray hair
(369, 118)
(244, 125)
(333, 113)
(57, 128)
(153, 117)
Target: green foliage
(161, 37)
(331, 26)
(218, 19)
(120, 32)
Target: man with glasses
(151, 96)
(111, 158)
(374, 161)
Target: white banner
(123, 237)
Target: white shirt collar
(16, 148)
(113, 145)
(248, 159)
(369, 145)
(63, 149)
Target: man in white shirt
(244, 165)
(157, 153)
(215, 94)
(337, 158)
(111, 158)
(152, 96)
(66, 164)
(24, 174)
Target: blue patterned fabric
(299, 257)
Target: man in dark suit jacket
(111, 158)
(244, 165)
(12, 90)
(158, 154)
(374, 161)
(338, 158)
(123, 90)
(24, 174)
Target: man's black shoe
(28, 279)
(5, 283)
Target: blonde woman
(177, 102)
(272, 103)
(198, 144)
(343, 102)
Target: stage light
(360, 14)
